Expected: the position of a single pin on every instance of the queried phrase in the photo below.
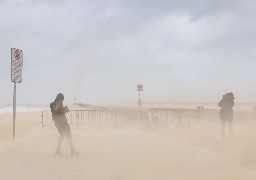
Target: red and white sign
(17, 64)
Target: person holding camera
(60, 120)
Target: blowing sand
(193, 152)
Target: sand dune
(194, 152)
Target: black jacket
(58, 111)
(227, 103)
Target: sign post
(14, 110)
(139, 88)
(16, 77)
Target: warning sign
(139, 87)
(17, 64)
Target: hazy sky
(181, 50)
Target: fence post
(42, 116)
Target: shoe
(75, 153)
(58, 152)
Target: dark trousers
(64, 131)
(226, 118)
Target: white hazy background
(98, 51)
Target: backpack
(52, 106)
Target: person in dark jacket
(59, 117)
(226, 112)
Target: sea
(8, 108)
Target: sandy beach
(26, 123)
(146, 87)
(192, 152)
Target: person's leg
(70, 142)
(68, 134)
(230, 127)
(60, 140)
(223, 126)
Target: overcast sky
(181, 50)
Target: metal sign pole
(16, 77)
(139, 88)
(14, 109)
